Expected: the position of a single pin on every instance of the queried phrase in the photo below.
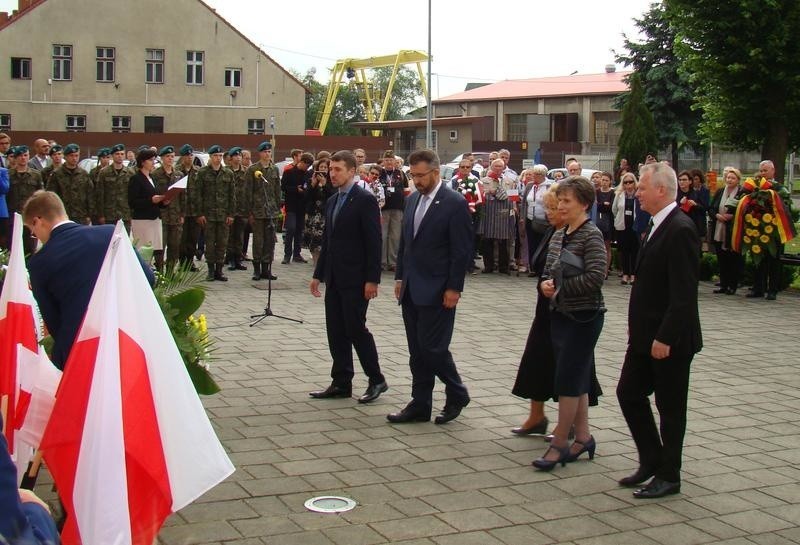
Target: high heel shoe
(540, 428)
(587, 446)
(547, 465)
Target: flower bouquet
(470, 187)
(763, 220)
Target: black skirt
(574, 339)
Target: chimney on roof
(611, 68)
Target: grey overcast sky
(472, 40)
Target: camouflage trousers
(189, 236)
(263, 240)
(216, 241)
(236, 238)
(172, 243)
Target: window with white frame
(76, 123)
(194, 67)
(120, 123)
(20, 68)
(255, 126)
(5, 122)
(105, 64)
(233, 77)
(154, 66)
(62, 62)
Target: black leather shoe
(720, 290)
(450, 412)
(657, 488)
(537, 429)
(331, 392)
(754, 294)
(373, 392)
(771, 296)
(407, 415)
(637, 478)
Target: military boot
(256, 270)
(231, 264)
(210, 275)
(218, 274)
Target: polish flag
(28, 380)
(129, 441)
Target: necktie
(420, 212)
(649, 230)
(340, 198)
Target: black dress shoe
(657, 488)
(331, 392)
(754, 294)
(373, 392)
(450, 412)
(407, 415)
(637, 478)
(721, 290)
(539, 428)
(771, 296)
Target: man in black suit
(435, 250)
(664, 335)
(350, 266)
(64, 271)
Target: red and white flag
(129, 441)
(28, 380)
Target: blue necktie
(340, 198)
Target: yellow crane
(354, 69)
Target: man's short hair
(306, 158)
(765, 162)
(295, 151)
(663, 175)
(581, 188)
(43, 204)
(323, 154)
(345, 156)
(4, 135)
(424, 156)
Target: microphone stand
(256, 318)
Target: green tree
(347, 109)
(743, 59)
(406, 91)
(667, 90)
(638, 136)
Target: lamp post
(272, 128)
(429, 121)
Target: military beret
(71, 148)
(165, 150)
(186, 149)
(12, 151)
(103, 152)
(118, 147)
(55, 148)
(18, 150)
(214, 149)
(141, 148)
(236, 150)
(265, 146)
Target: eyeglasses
(421, 175)
(627, 182)
(466, 166)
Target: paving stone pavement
(470, 481)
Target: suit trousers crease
(345, 318)
(659, 448)
(429, 330)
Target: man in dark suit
(24, 518)
(350, 266)
(664, 335)
(64, 271)
(435, 250)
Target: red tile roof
(577, 85)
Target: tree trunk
(674, 149)
(776, 145)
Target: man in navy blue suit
(435, 249)
(350, 266)
(24, 518)
(64, 271)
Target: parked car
(89, 163)
(482, 155)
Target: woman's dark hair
(143, 156)
(686, 173)
(580, 186)
(695, 172)
(318, 162)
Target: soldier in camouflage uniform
(72, 184)
(234, 256)
(263, 205)
(23, 182)
(191, 229)
(111, 190)
(56, 160)
(172, 214)
(103, 160)
(214, 203)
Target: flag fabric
(129, 441)
(28, 380)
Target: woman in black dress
(319, 189)
(605, 216)
(145, 204)
(626, 209)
